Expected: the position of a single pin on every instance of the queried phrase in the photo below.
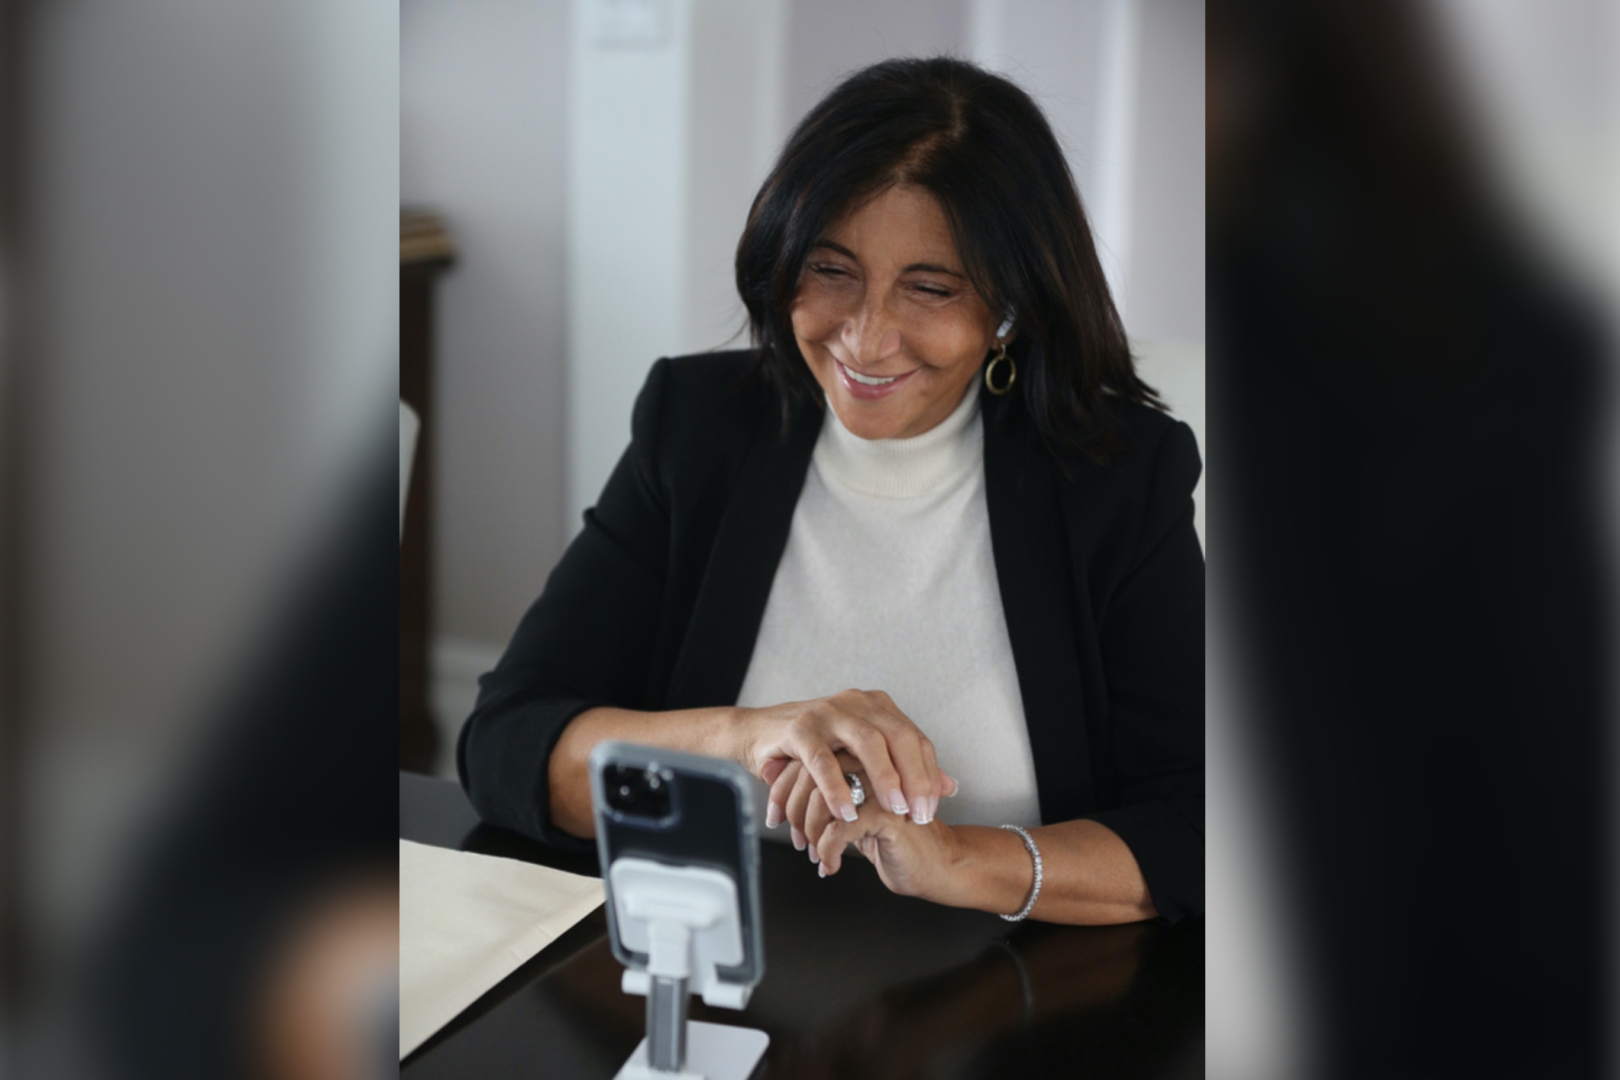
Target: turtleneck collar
(904, 468)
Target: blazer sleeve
(1152, 644)
(587, 641)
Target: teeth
(866, 380)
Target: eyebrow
(929, 268)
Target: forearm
(1089, 876)
(713, 732)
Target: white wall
(669, 139)
(828, 39)
(1165, 286)
(739, 49)
(1075, 60)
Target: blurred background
(200, 315)
(1413, 247)
(592, 165)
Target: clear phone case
(682, 810)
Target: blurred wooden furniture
(425, 251)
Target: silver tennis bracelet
(1034, 853)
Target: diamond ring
(857, 790)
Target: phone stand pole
(686, 919)
(666, 1025)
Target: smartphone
(680, 809)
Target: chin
(868, 423)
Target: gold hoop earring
(1012, 370)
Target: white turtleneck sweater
(888, 583)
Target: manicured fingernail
(798, 839)
(847, 811)
(897, 803)
(815, 856)
(773, 816)
(821, 871)
(956, 787)
(933, 807)
(919, 810)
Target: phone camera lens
(639, 791)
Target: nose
(870, 335)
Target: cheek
(950, 343)
(812, 316)
(814, 328)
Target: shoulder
(695, 408)
(697, 391)
(1127, 503)
(1147, 450)
(706, 387)
(1154, 448)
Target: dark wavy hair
(983, 148)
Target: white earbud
(1006, 324)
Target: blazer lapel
(748, 545)
(1029, 539)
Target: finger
(773, 768)
(871, 747)
(823, 766)
(830, 849)
(787, 776)
(816, 819)
(932, 764)
(780, 790)
(908, 748)
(912, 748)
(916, 784)
(798, 801)
(817, 855)
(919, 772)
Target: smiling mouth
(870, 386)
(867, 380)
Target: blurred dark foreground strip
(1411, 415)
(257, 932)
(198, 538)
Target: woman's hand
(897, 759)
(1091, 876)
(909, 855)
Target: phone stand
(686, 920)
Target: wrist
(990, 870)
(733, 736)
(952, 882)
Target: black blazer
(657, 603)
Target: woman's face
(886, 317)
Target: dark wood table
(858, 982)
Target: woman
(936, 476)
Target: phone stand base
(713, 1052)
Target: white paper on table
(467, 921)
